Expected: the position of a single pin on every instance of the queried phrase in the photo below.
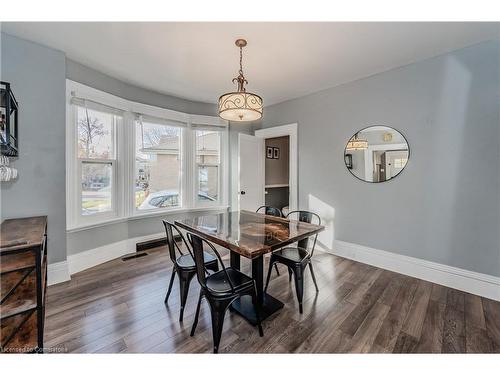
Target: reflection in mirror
(376, 154)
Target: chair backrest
(172, 243)
(268, 210)
(307, 217)
(199, 259)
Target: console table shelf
(23, 273)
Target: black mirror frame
(377, 182)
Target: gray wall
(92, 238)
(37, 75)
(444, 206)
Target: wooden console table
(23, 272)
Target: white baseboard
(61, 271)
(468, 281)
(57, 273)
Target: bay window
(126, 159)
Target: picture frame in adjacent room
(348, 161)
(276, 153)
(269, 152)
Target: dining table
(250, 235)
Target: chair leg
(276, 268)
(269, 273)
(314, 277)
(289, 275)
(299, 285)
(170, 285)
(184, 281)
(217, 311)
(196, 315)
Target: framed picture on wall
(348, 160)
(276, 153)
(269, 152)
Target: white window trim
(182, 184)
(99, 216)
(124, 166)
(222, 175)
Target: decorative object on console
(240, 105)
(8, 121)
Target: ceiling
(282, 61)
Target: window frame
(135, 210)
(123, 164)
(197, 202)
(99, 215)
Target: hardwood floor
(118, 307)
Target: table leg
(244, 305)
(258, 276)
(235, 260)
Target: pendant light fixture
(240, 105)
(356, 144)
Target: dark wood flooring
(118, 307)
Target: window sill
(140, 216)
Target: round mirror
(376, 154)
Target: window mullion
(127, 159)
(188, 168)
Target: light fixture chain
(241, 61)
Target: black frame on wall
(9, 141)
(376, 182)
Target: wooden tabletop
(247, 233)
(21, 233)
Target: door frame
(283, 131)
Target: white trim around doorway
(369, 156)
(283, 131)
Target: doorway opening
(250, 176)
(277, 173)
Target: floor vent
(134, 256)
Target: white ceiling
(282, 60)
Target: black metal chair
(184, 265)
(268, 210)
(271, 211)
(297, 258)
(220, 289)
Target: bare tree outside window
(96, 149)
(94, 134)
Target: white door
(251, 172)
(395, 161)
